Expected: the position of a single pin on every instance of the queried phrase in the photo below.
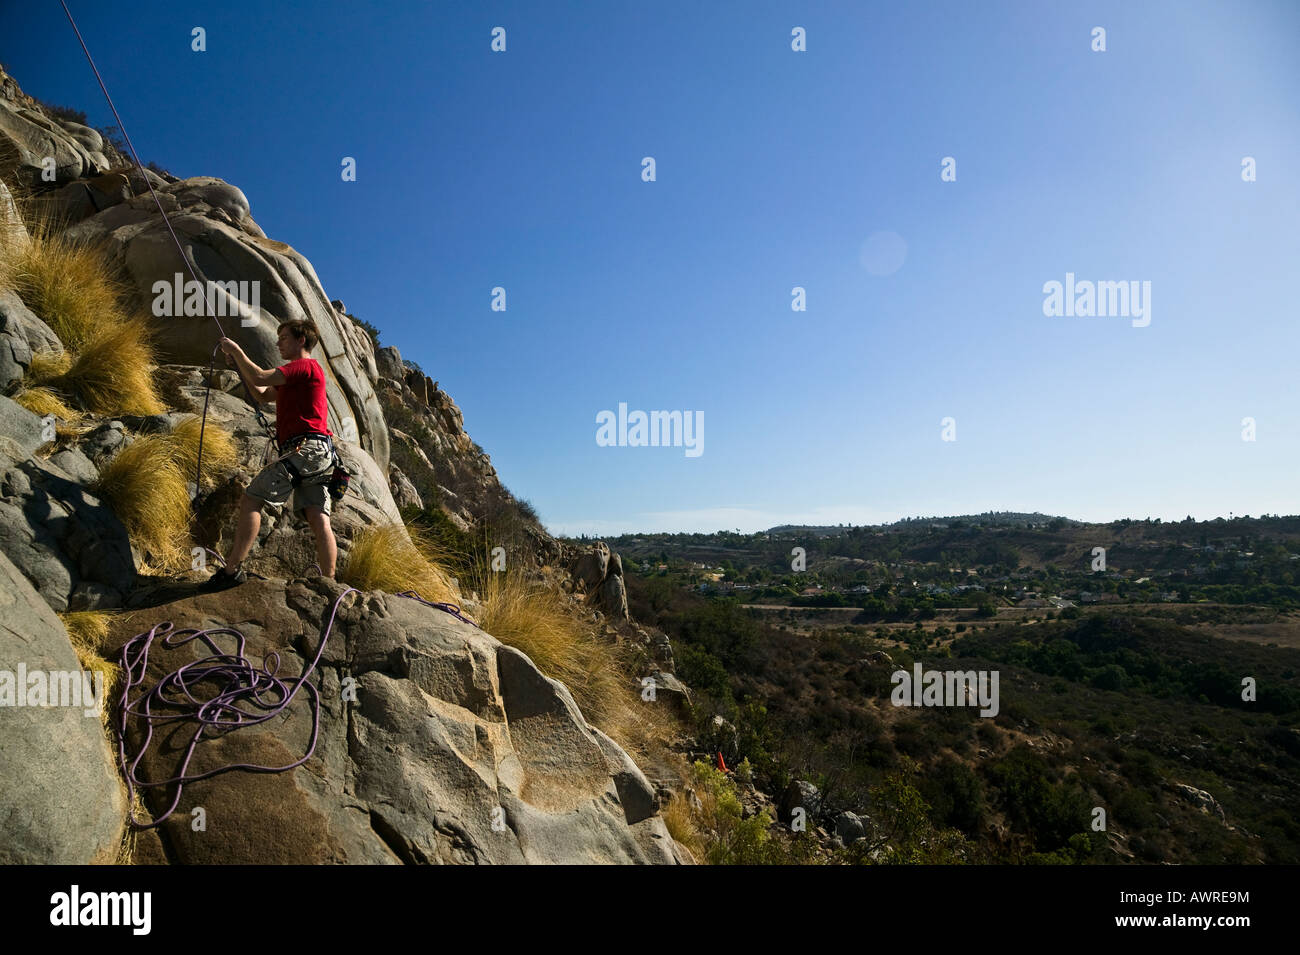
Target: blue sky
(775, 169)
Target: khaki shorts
(314, 461)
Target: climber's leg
(326, 546)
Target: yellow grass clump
(536, 619)
(219, 454)
(40, 400)
(146, 490)
(681, 825)
(394, 558)
(66, 283)
(112, 372)
(47, 367)
(87, 631)
(70, 285)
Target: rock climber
(304, 443)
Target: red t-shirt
(300, 402)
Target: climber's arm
(262, 382)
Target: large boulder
(613, 598)
(453, 748)
(21, 335)
(22, 428)
(800, 794)
(388, 361)
(67, 543)
(61, 802)
(28, 138)
(849, 827)
(224, 244)
(17, 320)
(15, 354)
(589, 568)
(598, 572)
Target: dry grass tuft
(66, 283)
(42, 401)
(601, 674)
(47, 367)
(219, 453)
(70, 285)
(126, 851)
(146, 490)
(681, 825)
(112, 372)
(87, 631)
(394, 558)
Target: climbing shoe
(221, 580)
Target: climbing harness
(238, 695)
(340, 477)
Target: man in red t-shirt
(306, 458)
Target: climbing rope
(219, 693)
(445, 607)
(189, 265)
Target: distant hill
(987, 519)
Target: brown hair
(302, 328)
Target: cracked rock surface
(457, 749)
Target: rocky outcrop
(32, 142)
(800, 794)
(83, 198)
(66, 542)
(224, 244)
(55, 760)
(455, 749)
(1201, 800)
(404, 492)
(598, 572)
(22, 335)
(388, 362)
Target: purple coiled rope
(244, 696)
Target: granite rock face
(54, 759)
(437, 744)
